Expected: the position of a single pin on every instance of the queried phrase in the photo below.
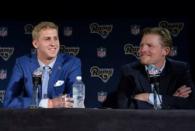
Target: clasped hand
(63, 101)
(183, 91)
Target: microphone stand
(155, 90)
(37, 80)
(36, 87)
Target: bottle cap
(79, 78)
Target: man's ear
(166, 51)
(34, 42)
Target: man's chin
(52, 54)
(51, 57)
(144, 62)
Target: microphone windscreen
(38, 72)
(152, 70)
(37, 77)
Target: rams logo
(102, 30)
(131, 50)
(70, 50)
(103, 73)
(6, 52)
(174, 28)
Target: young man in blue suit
(62, 74)
(172, 82)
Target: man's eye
(56, 38)
(47, 38)
(149, 45)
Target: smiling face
(47, 44)
(152, 50)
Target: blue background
(88, 43)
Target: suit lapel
(54, 76)
(32, 67)
(144, 80)
(34, 63)
(166, 78)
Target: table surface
(96, 120)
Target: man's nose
(140, 50)
(53, 42)
(143, 49)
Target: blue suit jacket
(134, 80)
(19, 90)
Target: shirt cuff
(158, 98)
(43, 103)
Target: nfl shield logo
(173, 51)
(2, 93)
(3, 74)
(135, 29)
(101, 52)
(67, 31)
(28, 29)
(3, 31)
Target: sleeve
(151, 99)
(173, 102)
(125, 90)
(73, 71)
(43, 103)
(13, 95)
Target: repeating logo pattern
(102, 30)
(174, 28)
(70, 50)
(68, 31)
(28, 29)
(3, 31)
(3, 74)
(6, 52)
(135, 29)
(103, 73)
(130, 49)
(2, 93)
(173, 51)
(95, 41)
(101, 52)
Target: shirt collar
(161, 69)
(50, 64)
(163, 66)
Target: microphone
(154, 75)
(37, 78)
(152, 70)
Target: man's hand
(142, 97)
(60, 102)
(183, 91)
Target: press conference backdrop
(103, 45)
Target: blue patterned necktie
(45, 80)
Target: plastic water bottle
(78, 93)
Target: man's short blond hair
(162, 32)
(41, 26)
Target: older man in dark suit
(173, 87)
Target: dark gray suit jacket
(134, 80)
